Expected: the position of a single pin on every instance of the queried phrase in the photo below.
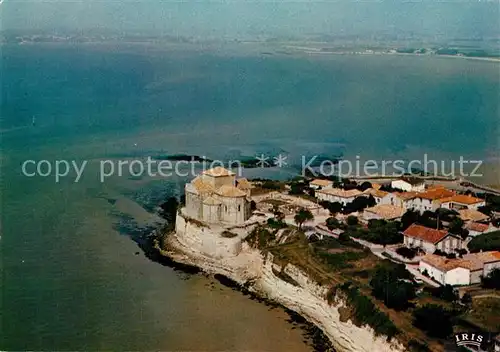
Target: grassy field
(485, 312)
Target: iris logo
(469, 339)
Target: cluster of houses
(465, 270)
(412, 194)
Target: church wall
(193, 205)
(211, 213)
(234, 210)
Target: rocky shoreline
(304, 300)
(315, 337)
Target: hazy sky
(205, 17)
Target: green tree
(466, 298)
(383, 232)
(352, 220)
(334, 207)
(389, 284)
(447, 293)
(487, 242)
(408, 218)
(359, 204)
(456, 226)
(302, 216)
(434, 319)
(297, 188)
(492, 280)
(364, 186)
(332, 223)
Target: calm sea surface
(73, 278)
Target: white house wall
(405, 186)
(457, 276)
(433, 272)
(415, 242)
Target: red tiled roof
(444, 264)
(473, 262)
(377, 193)
(405, 195)
(436, 193)
(462, 199)
(425, 233)
(475, 226)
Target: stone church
(216, 196)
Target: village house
(409, 184)
(383, 212)
(468, 215)
(377, 194)
(461, 271)
(461, 201)
(401, 199)
(320, 184)
(430, 199)
(418, 236)
(216, 197)
(477, 228)
(338, 195)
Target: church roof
(218, 171)
(230, 191)
(243, 183)
(202, 186)
(211, 201)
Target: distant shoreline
(268, 49)
(320, 51)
